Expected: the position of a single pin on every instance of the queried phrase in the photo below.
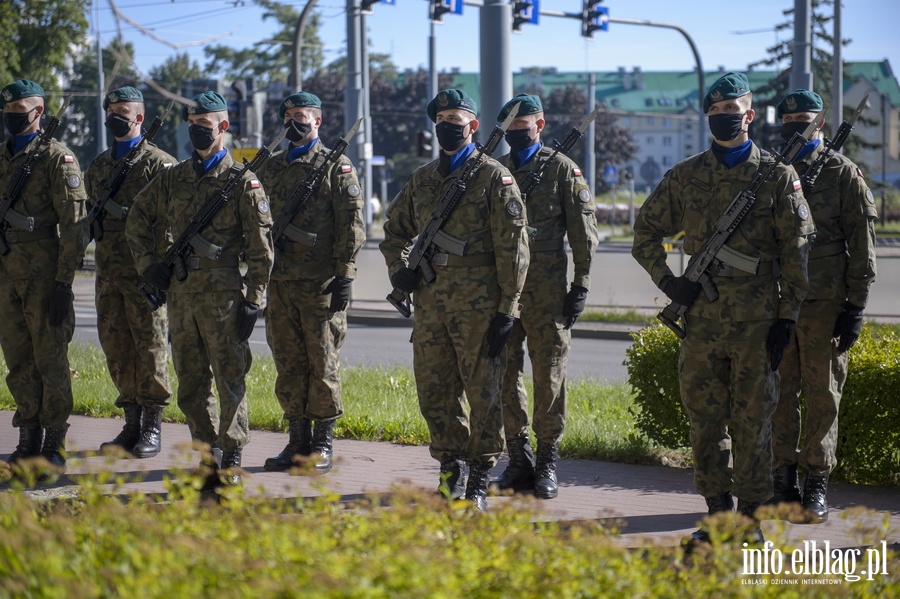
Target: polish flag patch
(577, 171)
(346, 168)
(797, 184)
(254, 183)
(67, 158)
(506, 180)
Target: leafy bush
(868, 450)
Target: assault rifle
(714, 254)
(432, 237)
(190, 239)
(533, 178)
(282, 229)
(808, 179)
(105, 203)
(16, 184)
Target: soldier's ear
(474, 124)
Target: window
(666, 161)
(667, 140)
(667, 122)
(649, 140)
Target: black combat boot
(209, 470)
(785, 485)
(54, 452)
(321, 445)
(231, 463)
(748, 508)
(477, 487)
(714, 505)
(130, 433)
(150, 442)
(30, 439)
(814, 496)
(519, 474)
(299, 444)
(452, 483)
(545, 486)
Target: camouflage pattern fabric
(36, 354)
(203, 307)
(133, 337)
(561, 207)
(841, 269)
(453, 313)
(723, 363)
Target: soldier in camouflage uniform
(132, 335)
(464, 317)
(306, 319)
(210, 316)
(729, 358)
(36, 315)
(561, 206)
(841, 269)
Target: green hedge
(868, 450)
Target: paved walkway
(652, 503)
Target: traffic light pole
(496, 62)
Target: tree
(169, 75)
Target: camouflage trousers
(205, 347)
(729, 393)
(812, 365)
(36, 354)
(306, 340)
(542, 326)
(452, 367)
(133, 338)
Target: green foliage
(170, 75)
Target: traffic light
(590, 17)
(438, 9)
(366, 6)
(424, 144)
(521, 14)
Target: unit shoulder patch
(73, 181)
(514, 208)
(584, 196)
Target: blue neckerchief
(528, 153)
(297, 151)
(122, 147)
(213, 160)
(456, 160)
(806, 150)
(20, 141)
(732, 157)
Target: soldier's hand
(498, 333)
(247, 314)
(339, 288)
(158, 275)
(405, 280)
(573, 306)
(681, 290)
(59, 304)
(848, 326)
(778, 340)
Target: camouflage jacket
(561, 207)
(54, 196)
(163, 210)
(842, 259)
(490, 217)
(112, 254)
(334, 214)
(692, 196)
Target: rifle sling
(195, 262)
(37, 234)
(469, 261)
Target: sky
(727, 34)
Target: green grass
(625, 316)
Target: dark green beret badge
(450, 99)
(799, 100)
(726, 87)
(204, 103)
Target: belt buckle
(439, 259)
(12, 237)
(192, 262)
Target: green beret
(528, 104)
(726, 87)
(21, 88)
(450, 99)
(799, 100)
(122, 94)
(206, 102)
(300, 99)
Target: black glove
(573, 305)
(158, 275)
(680, 290)
(779, 339)
(339, 288)
(498, 333)
(848, 326)
(247, 313)
(60, 303)
(405, 279)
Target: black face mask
(297, 131)
(519, 139)
(450, 135)
(16, 122)
(726, 127)
(788, 129)
(118, 125)
(201, 137)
